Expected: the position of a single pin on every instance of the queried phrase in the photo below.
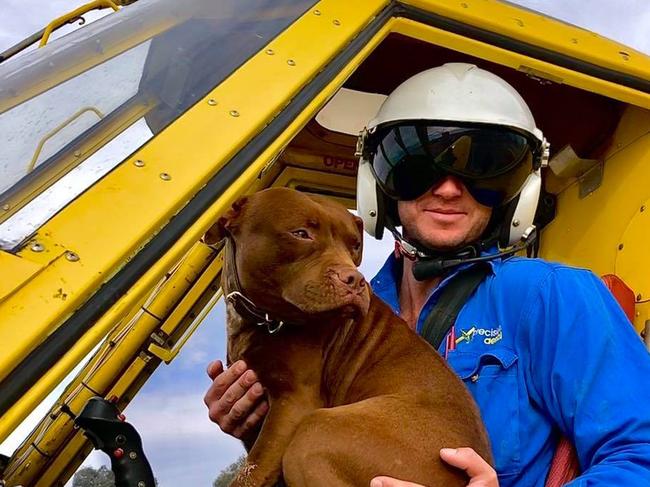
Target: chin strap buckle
(406, 250)
(529, 231)
(361, 142)
(545, 153)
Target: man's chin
(444, 245)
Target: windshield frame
(163, 95)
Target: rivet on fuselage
(71, 256)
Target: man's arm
(236, 401)
(480, 472)
(587, 368)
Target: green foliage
(227, 475)
(95, 477)
(91, 477)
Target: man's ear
(226, 223)
(359, 222)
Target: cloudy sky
(181, 443)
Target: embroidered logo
(466, 336)
(490, 335)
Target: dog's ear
(359, 254)
(226, 223)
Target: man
(454, 158)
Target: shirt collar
(386, 281)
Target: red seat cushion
(564, 467)
(623, 294)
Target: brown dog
(353, 392)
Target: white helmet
(456, 119)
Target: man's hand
(235, 399)
(480, 472)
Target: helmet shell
(457, 93)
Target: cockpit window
(152, 60)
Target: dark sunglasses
(492, 162)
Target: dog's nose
(351, 278)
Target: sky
(181, 443)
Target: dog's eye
(356, 246)
(301, 233)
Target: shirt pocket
(491, 377)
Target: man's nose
(450, 187)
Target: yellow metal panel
(141, 203)
(520, 62)
(129, 377)
(208, 275)
(167, 354)
(535, 28)
(634, 125)
(62, 462)
(180, 280)
(633, 257)
(118, 351)
(179, 315)
(15, 272)
(588, 232)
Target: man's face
(444, 218)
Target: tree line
(103, 476)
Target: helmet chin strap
(429, 263)
(415, 251)
(404, 248)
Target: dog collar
(244, 306)
(247, 309)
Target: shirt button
(474, 378)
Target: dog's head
(296, 254)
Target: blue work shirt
(545, 350)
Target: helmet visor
(492, 162)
